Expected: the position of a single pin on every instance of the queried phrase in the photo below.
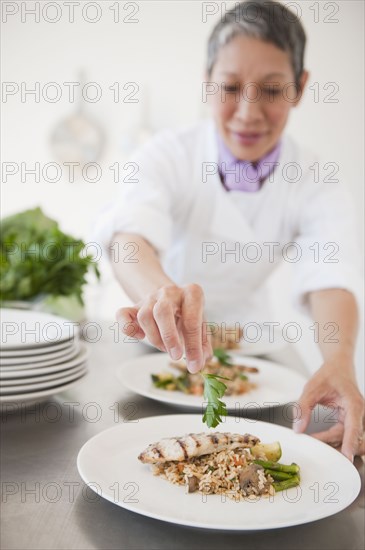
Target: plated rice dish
(236, 376)
(235, 465)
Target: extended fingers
(192, 326)
(348, 435)
(207, 342)
(334, 437)
(164, 315)
(172, 319)
(149, 325)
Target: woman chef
(218, 206)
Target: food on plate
(194, 445)
(221, 365)
(234, 465)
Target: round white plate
(36, 397)
(46, 359)
(31, 380)
(68, 356)
(32, 370)
(276, 385)
(10, 354)
(28, 329)
(31, 388)
(108, 463)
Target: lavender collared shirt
(242, 175)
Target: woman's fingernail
(175, 353)
(193, 366)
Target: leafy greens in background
(37, 258)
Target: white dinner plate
(108, 463)
(46, 359)
(31, 380)
(36, 397)
(32, 370)
(28, 329)
(68, 355)
(37, 386)
(276, 385)
(39, 350)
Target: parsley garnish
(213, 391)
(223, 357)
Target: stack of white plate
(40, 355)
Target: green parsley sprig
(214, 389)
(223, 357)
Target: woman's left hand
(334, 385)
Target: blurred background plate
(276, 385)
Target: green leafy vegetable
(223, 357)
(37, 258)
(167, 381)
(162, 381)
(213, 391)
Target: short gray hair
(267, 20)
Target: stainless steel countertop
(38, 459)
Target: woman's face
(254, 92)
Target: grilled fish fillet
(193, 445)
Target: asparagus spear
(286, 483)
(277, 475)
(288, 468)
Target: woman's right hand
(172, 320)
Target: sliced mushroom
(249, 477)
(193, 484)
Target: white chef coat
(180, 206)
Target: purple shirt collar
(242, 175)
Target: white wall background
(164, 53)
